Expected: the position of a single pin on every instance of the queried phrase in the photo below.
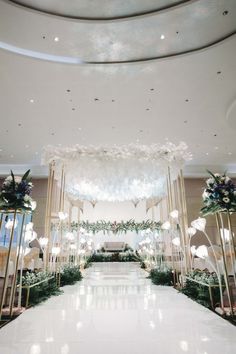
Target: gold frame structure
(18, 255)
(181, 257)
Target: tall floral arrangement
(219, 195)
(15, 193)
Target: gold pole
(232, 238)
(48, 210)
(182, 224)
(170, 208)
(1, 221)
(13, 290)
(5, 282)
(224, 263)
(185, 215)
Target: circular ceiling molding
(181, 30)
(96, 10)
(231, 115)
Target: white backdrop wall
(117, 211)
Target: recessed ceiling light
(56, 39)
(12, 156)
(31, 100)
(79, 128)
(229, 153)
(27, 146)
(162, 36)
(207, 153)
(36, 153)
(216, 148)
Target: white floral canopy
(117, 173)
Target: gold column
(218, 223)
(5, 282)
(49, 210)
(232, 239)
(14, 282)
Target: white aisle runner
(116, 310)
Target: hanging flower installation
(15, 193)
(117, 173)
(220, 194)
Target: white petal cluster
(117, 173)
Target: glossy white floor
(116, 310)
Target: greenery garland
(115, 257)
(116, 227)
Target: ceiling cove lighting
(40, 55)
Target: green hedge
(200, 293)
(70, 275)
(161, 277)
(42, 291)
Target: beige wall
(39, 194)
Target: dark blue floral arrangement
(15, 193)
(220, 194)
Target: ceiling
(105, 72)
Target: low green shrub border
(200, 293)
(161, 277)
(70, 275)
(42, 291)
(48, 287)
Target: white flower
(199, 224)
(176, 241)
(202, 252)
(191, 231)
(226, 200)
(70, 236)
(227, 179)
(193, 250)
(165, 225)
(226, 193)
(8, 179)
(29, 226)
(17, 179)
(27, 198)
(210, 181)
(33, 204)
(62, 215)
(43, 241)
(205, 194)
(56, 250)
(174, 214)
(217, 175)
